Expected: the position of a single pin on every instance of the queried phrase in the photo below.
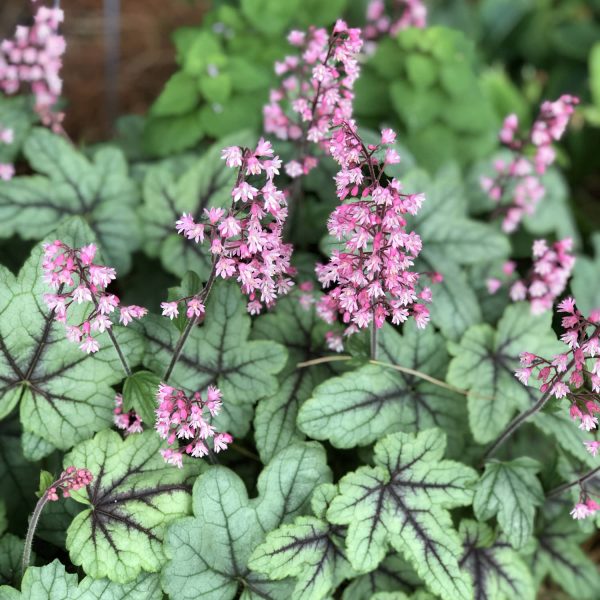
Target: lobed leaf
(359, 407)
(485, 362)
(496, 569)
(403, 501)
(209, 552)
(100, 191)
(65, 395)
(510, 490)
(132, 499)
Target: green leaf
(209, 552)
(46, 480)
(310, 549)
(219, 353)
(179, 96)
(133, 497)
(50, 377)
(52, 582)
(270, 16)
(511, 491)
(298, 330)
(361, 406)
(18, 477)
(558, 555)
(586, 279)
(165, 136)
(594, 62)
(139, 394)
(496, 569)
(402, 501)
(485, 362)
(11, 555)
(70, 184)
(208, 182)
(392, 574)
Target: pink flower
(71, 479)
(128, 313)
(592, 447)
(90, 345)
(580, 511)
(195, 308)
(170, 309)
(232, 156)
(244, 192)
(182, 417)
(7, 171)
(523, 375)
(130, 422)
(493, 285)
(388, 136)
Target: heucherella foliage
(405, 14)
(186, 420)
(517, 186)
(403, 501)
(315, 92)
(76, 279)
(547, 279)
(371, 277)
(33, 58)
(246, 240)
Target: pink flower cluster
(185, 423)
(575, 374)
(246, 240)
(585, 508)
(406, 13)
(316, 90)
(33, 57)
(547, 279)
(7, 170)
(71, 479)
(371, 277)
(130, 421)
(519, 179)
(78, 280)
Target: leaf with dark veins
(219, 353)
(298, 329)
(485, 363)
(309, 549)
(52, 582)
(100, 191)
(497, 571)
(362, 405)
(394, 573)
(166, 196)
(403, 502)
(132, 499)
(558, 555)
(209, 552)
(510, 490)
(65, 395)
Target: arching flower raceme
(574, 374)
(547, 279)
(71, 479)
(77, 280)
(517, 185)
(246, 240)
(33, 58)
(185, 422)
(371, 278)
(405, 14)
(315, 91)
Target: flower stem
(190, 324)
(565, 486)
(373, 340)
(516, 423)
(33, 523)
(120, 354)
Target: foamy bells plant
(222, 399)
